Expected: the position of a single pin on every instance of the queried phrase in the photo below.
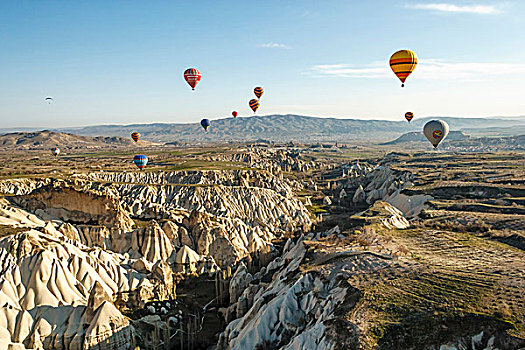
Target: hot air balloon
(55, 151)
(435, 131)
(254, 104)
(192, 76)
(205, 124)
(135, 136)
(234, 113)
(403, 62)
(49, 100)
(409, 116)
(140, 161)
(258, 91)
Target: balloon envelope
(254, 104)
(205, 123)
(258, 91)
(135, 136)
(409, 116)
(435, 131)
(403, 63)
(49, 100)
(192, 77)
(140, 161)
(56, 151)
(234, 113)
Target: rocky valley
(250, 246)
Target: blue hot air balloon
(205, 124)
(140, 161)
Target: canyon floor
(262, 246)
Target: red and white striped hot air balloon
(192, 77)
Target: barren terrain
(269, 246)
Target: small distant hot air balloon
(205, 124)
(234, 113)
(49, 100)
(258, 91)
(254, 104)
(435, 131)
(140, 161)
(403, 62)
(409, 116)
(135, 136)
(55, 151)
(192, 77)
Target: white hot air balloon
(435, 131)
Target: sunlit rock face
(288, 312)
(96, 244)
(223, 215)
(275, 160)
(60, 201)
(369, 183)
(59, 293)
(230, 178)
(20, 187)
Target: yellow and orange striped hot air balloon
(258, 91)
(403, 62)
(135, 136)
(254, 104)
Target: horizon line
(43, 128)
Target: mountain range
(300, 128)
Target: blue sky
(121, 62)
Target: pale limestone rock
(285, 313)
(97, 296)
(142, 265)
(410, 206)
(187, 259)
(69, 231)
(359, 196)
(58, 200)
(67, 287)
(108, 329)
(172, 231)
(152, 242)
(239, 281)
(396, 220)
(165, 288)
(185, 239)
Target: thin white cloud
(452, 8)
(374, 70)
(426, 69)
(273, 45)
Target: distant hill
(511, 142)
(465, 124)
(459, 141)
(48, 139)
(417, 136)
(513, 130)
(293, 128)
